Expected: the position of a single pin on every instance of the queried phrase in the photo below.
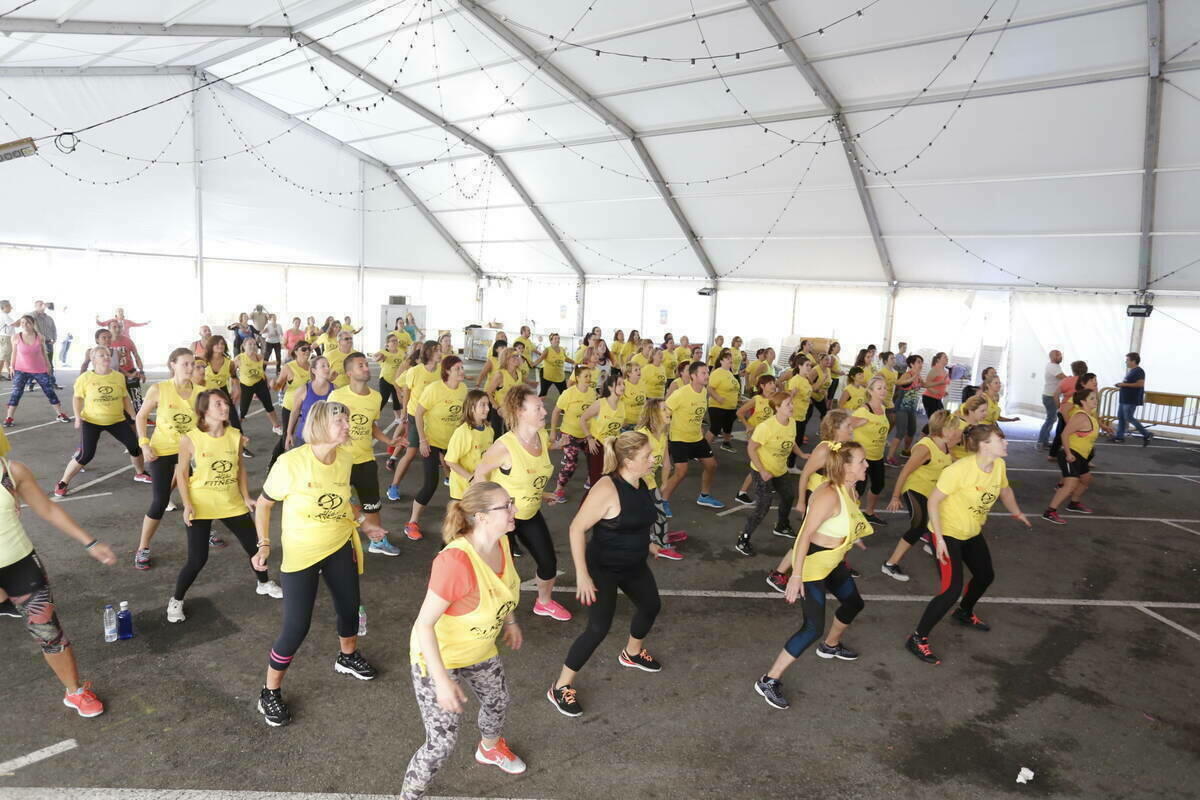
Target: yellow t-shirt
(890, 377)
(761, 413)
(873, 435)
(392, 362)
(528, 353)
(993, 411)
(658, 444)
(655, 380)
(713, 352)
(683, 354)
(669, 362)
(634, 400)
(925, 477)
(213, 485)
(337, 363)
(857, 397)
(103, 397)
(507, 382)
(554, 365)
(725, 384)
(217, 379)
(466, 448)
(970, 494)
(403, 341)
(579, 354)
(443, 411)
(364, 410)
(248, 372)
(802, 398)
(526, 478)
(687, 408)
(607, 422)
(317, 516)
(640, 360)
(1084, 443)
(415, 380)
(299, 377)
(573, 403)
(174, 417)
(775, 443)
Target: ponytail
(460, 516)
(621, 449)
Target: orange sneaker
(413, 531)
(502, 756)
(84, 701)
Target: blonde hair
(623, 448)
(971, 405)
(513, 401)
(876, 379)
(318, 423)
(833, 420)
(942, 422)
(460, 517)
(653, 417)
(838, 458)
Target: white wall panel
(674, 306)
(1174, 328)
(854, 316)
(754, 311)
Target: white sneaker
(795, 471)
(175, 611)
(270, 587)
(172, 507)
(277, 430)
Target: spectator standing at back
(258, 318)
(1132, 395)
(124, 324)
(1051, 375)
(6, 331)
(44, 323)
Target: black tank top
(624, 540)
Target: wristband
(263, 544)
(514, 622)
(143, 440)
(91, 544)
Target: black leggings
(431, 468)
(918, 511)
(639, 586)
(300, 594)
(260, 390)
(763, 491)
(839, 583)
(386, 390)
(497, 423)
(535, 536)
(720, 420)
(197, 548)
(932, 404)
(974, 554)
(875, 476)
(285, 415)
(162, 471)
(799, 435)
(546, 384)
(277, 348)
(89, 437)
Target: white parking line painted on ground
(1098, 472)
(15, 764)
(54, 793)
(1033, 517)
(1190, 478)
(1172, 623)
(1135, 445)
(1177, 525)
(103, 477)
(34, 427)
(75, 497)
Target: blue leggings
(22, 379)
(840, 585)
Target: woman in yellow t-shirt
(654, 425)
(958, 507)
(1075, 455)
(855, 394)
(211, 477)
(439, 412)
(619, 349)
(502, 382)
(422, 370)
(252, 375)
(714, 352)
(770, 446)
(654, 375)
(494, 363)
(553, 363)
(319, 540)
(929, 457)
(566, 418)
(101, 403)
(635, 395)
(971, 413)
(725, 390)
(295, 373)
(219, 373)
(832, 525)
(873, 437)
(392, 357)
(603, 421)
(755, 411)
(472, 598)
(468, 444)
(991, 392)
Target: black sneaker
(1146, 439)
(875, 520)
(894, 571)
(744, 547)
(391, 465)
(563, 698)
(771, 690)
(7, 609)
(854, 573)
(643, 661)
(777, 581)
(744, 498)
(919, 647)
(836, 651)
(246, 453)
(272, 707)
(785, 532)
(970, 620)
(354, 664)
(727, 447)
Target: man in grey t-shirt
(1051, 375)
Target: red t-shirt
(123, 349)
(291, 338)
(453, 578)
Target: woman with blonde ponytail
(620, 511)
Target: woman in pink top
(936, 381)
(29, 365)
(292, 336)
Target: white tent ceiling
(535, 156)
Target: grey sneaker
(894, 571)
(771, 690)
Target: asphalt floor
(1090, 676)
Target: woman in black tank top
(620, 511)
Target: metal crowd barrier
(1159, 408)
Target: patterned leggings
(28, 588)
(658, 533)
(570, 460)
(487, 681)
(22, 380)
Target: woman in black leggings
(321, 541)
(211, 477)
(439, 413)
(620, 511)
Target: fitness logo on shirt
(986, 500)
(492, 630)
(181, 422)
(454, 413)
(104, 391)
(612, 429)
(698, 414)
(330, 505)
(360, 426)
(785, 448)
(222, 473)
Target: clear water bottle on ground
(362, 620)
(124, 621)
(110, 624)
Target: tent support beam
(100, 28)
(197, 172)
(775, 26)
(1154, 93)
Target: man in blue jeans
(1132, 395)
(1051, 375)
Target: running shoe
(269, 588)
(172, 507)
(278, 431)
(667, 509)
(906, 453)
(875, 520)
(383, 548)
(563, 698)
(215, 541)
(777, 581)
(8, 422)
(413, 531)
(141, 558)
(744, 498)
(838, 651)
(560, 496)
(354, 664)
(553, 609)
(892, 461)
(919, 647)
(1146, 439)
(795, 471)
(587, 485)
(62, 417)
(669, 554)
(393, 493)
(246, 453)
(390, 464)
(708, 501)
(7, 609)
(785, 532)
(727, 447)
(446, 482)
(643, 661)
(142, 477)
(970, 620)
(744, 547)
(771, 690)
(272, 707)
(894, 571)
(928, 548)
(60, 489)
(501, 756)
(675, 537)
(84, 701)
(1052, 516)
(1078, 508)
(175, 611)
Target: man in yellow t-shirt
(686, 440)
(337, 357)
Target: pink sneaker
(560, 496)
(553, 610)
(669, 554)
(142, 477)
(85, 701)
(675, 537)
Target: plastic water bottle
(362, 620)
(124, 621)
(110, 624)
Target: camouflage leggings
(28, 589)
(487, 681)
